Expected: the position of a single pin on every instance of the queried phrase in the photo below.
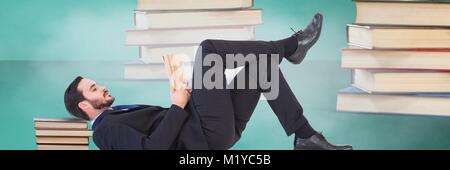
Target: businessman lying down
(202, 117)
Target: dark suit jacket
(149, 127)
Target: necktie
(124, 107)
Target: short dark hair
(72, 97)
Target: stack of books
(62, 134)
(165, 27)
(399, 53)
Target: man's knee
(222, 140)
(206, 43)
(207, 47)
(222, 143)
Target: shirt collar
(95, 118)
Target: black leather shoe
(306, 39)
(318, 142)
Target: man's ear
(84, 105)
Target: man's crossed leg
(224, 112)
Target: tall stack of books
(399, 53)
(164, 27)
(62, 134)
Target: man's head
(85, 99)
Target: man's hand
(180, 96)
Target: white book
(139, 70)
(63, 147)
(404, 81)
(62, 140)
(412, 13)
(203, 18)
(70, 120)
(353, 99)
(154, 54)
(188, 36)
(398, 37)
(41, 123)
(81, 133)
(192, 4)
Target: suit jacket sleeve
(162, 138)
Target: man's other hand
(180, 96)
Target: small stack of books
(399, 53)
(62, 134)
(165, 27)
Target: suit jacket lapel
(108, 112)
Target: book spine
(61, 129)
(398, 50)
(405, 1)
(399, 69)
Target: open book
(179, 70)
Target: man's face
(97, 95)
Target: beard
(99, 106)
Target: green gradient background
(44, 44)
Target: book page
(178, 71)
